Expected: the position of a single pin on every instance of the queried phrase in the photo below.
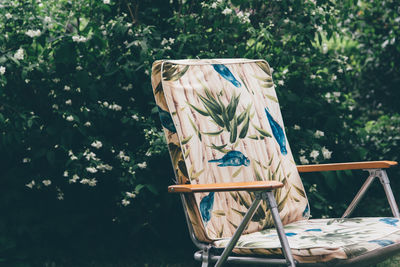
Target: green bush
(84, 162)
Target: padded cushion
(322, 240)
(223, 123)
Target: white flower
(90, 155)
(60, 195)
(65, 174)
(129, 86)
(47, 19)
(164, 41)
(84, 181)
(26, 160)
(2, 70)
(286, 21)
(319, 133)
(79, 39)
(296, 127)
(33, 33)
(125, 202)
(227, 11)
(115, 107)
(324, 48)
(303, 160)
(67, 88)
(336, 94)
(334, 77)
(302, 151)
(70, 118)
(97, 144)
(88, 124)
(8, 16)
(74, 178)
(104, 167)
(281, 82)
(92, 182)
(135, 117)
(171, 40)
(314, 154)
(68, 102)
(326, 153)
(130, 195)
(19, 54)
(122, 156)
(214, 5)
(142, 165)
(91, 169)
(46, 182)
(312, 76)
(31, 184)
(106, 2)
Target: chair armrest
(239, 186)
(347, 166)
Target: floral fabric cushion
(222, 122)
(322, 240)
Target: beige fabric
(223, 123)
(323, 240)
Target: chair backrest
(222, 121)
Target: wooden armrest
(347, 166)
(240, 186)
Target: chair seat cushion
(322, 240)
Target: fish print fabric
(323, 240)
(225, 125)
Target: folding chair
(241, 191)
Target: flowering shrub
(79, 130)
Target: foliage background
(77, 115)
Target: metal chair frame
(207, 253)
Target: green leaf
(234, 127)
(202, 112)
(236, 173)
(245, 128)
(254, 137)
(186, 140)
(213, 133)
(262, 131)
(272, 98)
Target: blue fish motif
(290, 234)
(166, 120)
(226, 74)
(314, 230)
(382, 242)
(206, 206)
(306, 212)
(232, 158)
(390, 221)
(277, 132)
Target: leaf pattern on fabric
(218, 131)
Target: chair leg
(206, 256)
(269, 196)
(232, 242)
(382, 175)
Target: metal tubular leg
(228, 249)
(359, 196)
(388, 191)
(205, 256)
(279, 228)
